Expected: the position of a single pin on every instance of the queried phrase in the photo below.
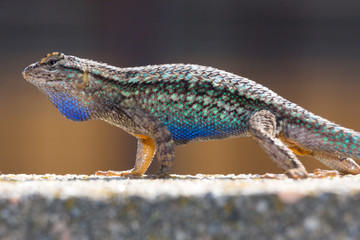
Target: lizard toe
(296, 173)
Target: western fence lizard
(173, 104)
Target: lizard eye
(51, 62)
(52, 58)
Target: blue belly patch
(183, 133)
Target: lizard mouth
(33, 74)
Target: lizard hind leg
(262, 127)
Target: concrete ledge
(182, 207)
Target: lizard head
(65, 81)
(55, 69)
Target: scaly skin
(172, 104)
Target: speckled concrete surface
(182, 207)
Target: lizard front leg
(153, 137)
(144, 156)
(262, 127)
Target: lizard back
(194, 102)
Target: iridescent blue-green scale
(196, 111)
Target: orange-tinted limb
(144, 156)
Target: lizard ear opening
(81, 82)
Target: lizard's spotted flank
(172, 104)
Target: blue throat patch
(70, 106)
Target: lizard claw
(318, 173)
(296, 173)
(128, 173)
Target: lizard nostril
(25, 72)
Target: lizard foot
(164, 172)
(296, 173)
(162, 175)
(318, 173)
(128, 173)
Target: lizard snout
(28, 69)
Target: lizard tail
(320, 136)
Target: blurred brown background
(306, 51)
